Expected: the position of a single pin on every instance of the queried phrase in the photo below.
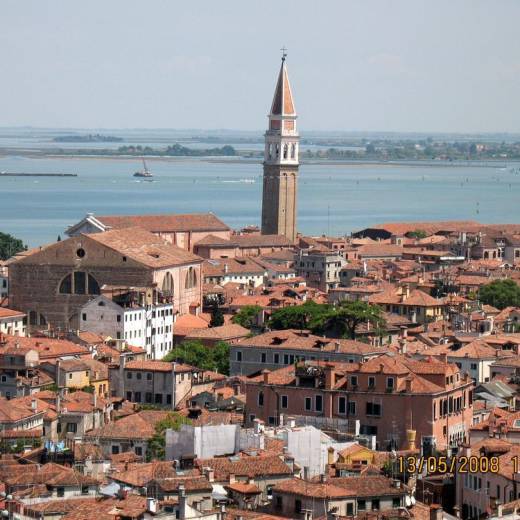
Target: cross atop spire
(284, 53)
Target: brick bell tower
(281, 162)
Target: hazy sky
(397, 65)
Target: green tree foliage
(195, 353)
(217, 316)
(500, 294)
(341, 321)
(156, 445)
(247, 316)
(298, 316)
(418, 233)
(10, 246)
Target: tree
(10, 246)
(157, 444)
(342, 320)
(298, 316)
(247, 316)
(501, 294)
(418, 233)
(217, 316)
(195, 353)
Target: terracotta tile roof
(306, 488)
(295, 340)
(140, 425)
(416, 298)
(144, 247)
(224, 332)
(10, 313)
(16, 409)
(477, 350)
(133, 506)
(231, 266)
(141, 474)
(47, 347)
(157, 366)
(244, 488)
(251, 241)
(166, 223)
(401, 228)
(245, 466)
(370, 486)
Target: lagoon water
(333, 198)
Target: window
(352, 407)
(84, 316)
(473, 366)
(148, 397)
(260, 398)
(129, 375)
(375, 504)
(79, 282)
(191, 278)
(72, 427)
(137, 397)
(139, 375)
(70, 376)
(138, 450)
(297, 506)
(129, 396)
(353, 380)
(84, 490)
(239, 355)
(396, 502)
(361, 505)
(342, 405)
(263, 357)
(371, 382)
(276, 359)
(167, 285)
(389, 383)
(118, 317)
(148, 376)
(168, 398)
(318, 403)
(284, 401)
(279, 502)
(374, 409)
(115, 450)
(308, 404)
(60, 491)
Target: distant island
(88, 138)
(174, 150)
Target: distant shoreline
(490, 163)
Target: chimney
(232, 478)
(305, 472)
(151, 505)
(408, 382)
(436, 512)
(337, 346)
(402, 346)
(258, 426)
(34, 405)
(182, 501)
(226, 268)
(210, 474)
(330, 376)
(330, 455)
(403, 331)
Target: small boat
(145, 172)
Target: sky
(354, 65)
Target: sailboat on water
(145, 172)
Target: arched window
(293, 151)
(260, 398)
(191, 278)
(270, 150)
(285, 150)
(277, 150)
(79, 282)
(167, 285)
(486, 255)
(33, 318)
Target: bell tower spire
(281, 161)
